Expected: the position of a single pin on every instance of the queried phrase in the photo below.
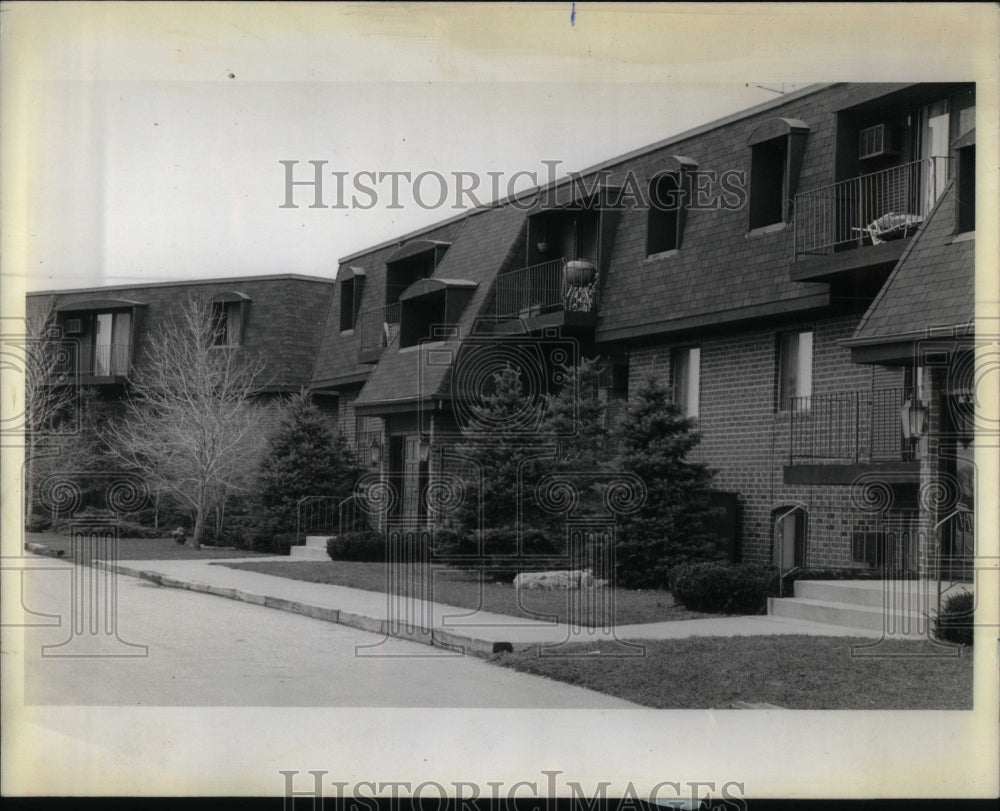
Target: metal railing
(956, 547)
(540, 289)
(99, 360)
(379, 327)
(328, 515)
(865, 210)
(849, 426)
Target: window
(795, 371)
(669, 194)
(687, 370)
(767, 183)
(966, 215)
(347, 305)
(112, 339)
(352, 285)
(777, 147)
(227, 323)
(664, 204)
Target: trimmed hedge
(722, 588)
(490, 550)
(955, 622)
(363, 545)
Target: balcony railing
(379, 327)
(96, 360)
(541, 289)
(847, 427)
(866, 210)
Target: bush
(722, 588)
(364, 545)
(37, 523)
(954, 623)
(130, 529)
(463, 550)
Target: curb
(449, 640)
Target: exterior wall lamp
(425, 449)
(375, 451)
(913, 417)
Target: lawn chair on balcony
(890, 226)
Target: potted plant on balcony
(579, 272)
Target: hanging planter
(579, 272)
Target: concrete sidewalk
(476, 632)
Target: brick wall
(746, 441)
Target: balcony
(833, 438)
(95, 363)
(877, 212)
(555, 293)
(378, 329)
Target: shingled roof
(486, 246)
(932, 285)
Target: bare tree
(50, 393)
(192, 427)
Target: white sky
(144, 161)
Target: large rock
(558, 581)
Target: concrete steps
(314, 549)
(902, 607)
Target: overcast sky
(153, 139)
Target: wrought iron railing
(379, 327)
(865, 210)
(849, 426)
(542, 288)
(99, 360)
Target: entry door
(789, 539)
(411, 477)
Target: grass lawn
(464, 590)
(794, 672)
(142, 548)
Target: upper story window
(776, 150)
(351, 285)
(412, 262)
(101, 334)
(229, 312)
(669, 197)
(795, 361)
(965, 218)
(431, 307)
(687, 375)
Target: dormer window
(352, 282)
(229, 312)
(965, 216)
(411, 263)
(431, 307)
(669, 198)
(100, 335)
(776, 150)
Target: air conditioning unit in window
(876, 141)
(73, 326)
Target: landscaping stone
(559, 580)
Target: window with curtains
(687, 374)
(795, 353)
